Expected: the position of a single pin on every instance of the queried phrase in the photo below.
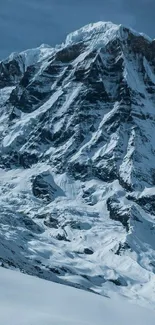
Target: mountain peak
(101, 33)
(99, 30)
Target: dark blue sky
(28, 23)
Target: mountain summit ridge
(107, 30)
(86, 33)
(77, 184)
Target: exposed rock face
(77, 159)
(44, 187)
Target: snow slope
(26, 300)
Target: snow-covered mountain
(77, 162)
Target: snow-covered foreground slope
(26, 300)
(77, 162)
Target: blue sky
(29, 23)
